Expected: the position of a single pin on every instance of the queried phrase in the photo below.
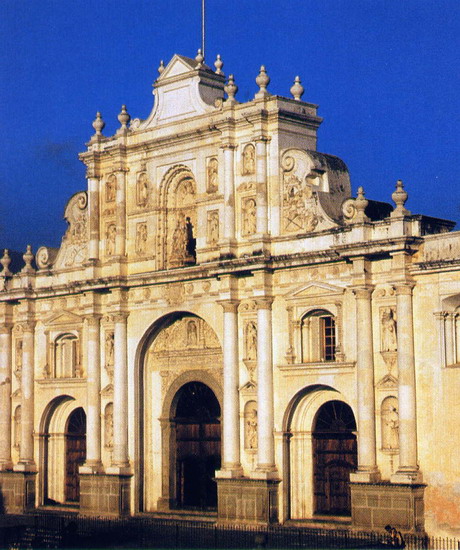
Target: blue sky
(385, 73)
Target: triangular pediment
(178, 65)
(107, 391)
(315, 289)
(388, 382)
(249, 388)
(64, 318)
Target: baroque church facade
(225, 328)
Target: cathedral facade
(225, 328)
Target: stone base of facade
(374, 505)
(247, 500)
(17, 492)
(105, 494)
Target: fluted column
(26, 454)
(231, 410)
(229, 192)
(93, 218)
(261, 182)
(93, 393)
(408, 467)
(5, 397)
(120, 393)
(120, 239)
(265, 402)
(367, 463)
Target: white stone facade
(214, 245)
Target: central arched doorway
(75, 453)
(197, 446)
(334, 458)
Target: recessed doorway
(75, 453)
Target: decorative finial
(297, 89)
(262, 80)
(98, 124)
(361, 204)
(161, 68)
(123, 118)
(399, 197)
(199, 58)
(28, 258)
(230, 89)
(218, 64)
(5, 261)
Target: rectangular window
(327, 339)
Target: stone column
(26, 454)
(93, 218)
(261, 182)
(120, 239)
(450, 338)
(229, 192)
(231, 463)
(5, 397)
(120, 393)
(265, 402)
(367, 463)
(408, 468)
(93, 393)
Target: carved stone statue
(389, 334)
(211, 176)
(249, 162)
(110, 237)
(142, 189)
(251, 341)
(109, 348)
(249, 217)
(251, 426)
(17, 426)
(108, 425)
(390, 423)
(141, 238)
(179, 240)
(18, 355)
(110, 188)
(213, 227)
(192, 334)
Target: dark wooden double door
(75, 443)
(335, 457)
(198, 447)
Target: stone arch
(298, 426)
(52, 448)
(155, 392)
(177, 218)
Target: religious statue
(192, 336)
(251, 427)
(249, 162)
(211, 175)
(142, 189)
(179, 240)
(110, 245)
(213, 227)
(18, 355)
(249, 217)
(108, 424)
(110, 188)
(390, 423)
(251, 341)
(109, 348)
(141, 238)
(389, 334)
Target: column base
(6, 466)
(375, 505)
(262, 472)
(91, 468)
(17, 492)
(407, 476)
(247, 500)
(229, 472)
(365, 476)
(105, 494)
(25, 467)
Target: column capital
(119, 316)
(264, 302)
(403, 289)
(93, 318)
(27, 326)
(440, 315)
(228, 145)
(363, 292)
(260, 138)
(229, 306)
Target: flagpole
(202, 27)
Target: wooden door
(75, 443)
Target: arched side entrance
(75, 453)
(197, 446)
(334, 458)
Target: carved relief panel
(212, 233)
(249, 160)
(142, 189)
(140, 245)
(212, 174)
(248, 216)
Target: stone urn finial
(28, 257)
(161, 68)
(98, 124)
(230, 89)
(297, 89)
(124, 118)
(218, 64)
(199, 57)
(361, 204)
(262, 80)
(5, 261)
(399, 197)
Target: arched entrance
(75, 453)
(197, 446)
(334, 457)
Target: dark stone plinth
(17, 491)
(247, 500)
(105, 494)
(374, 505)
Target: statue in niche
(249, 217)
(251, 341)
(249, 160)
(179, 239)
(110, 188)
(390, 424)
(192, 333)
(108, 425)
(17, 427)
(142, 190)
(251, 426)
(109, 349)
(191, 242)
(213, 227)
(211, 176)
(18, 355)
(141, 238)
(389, 334)
(110, 245)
